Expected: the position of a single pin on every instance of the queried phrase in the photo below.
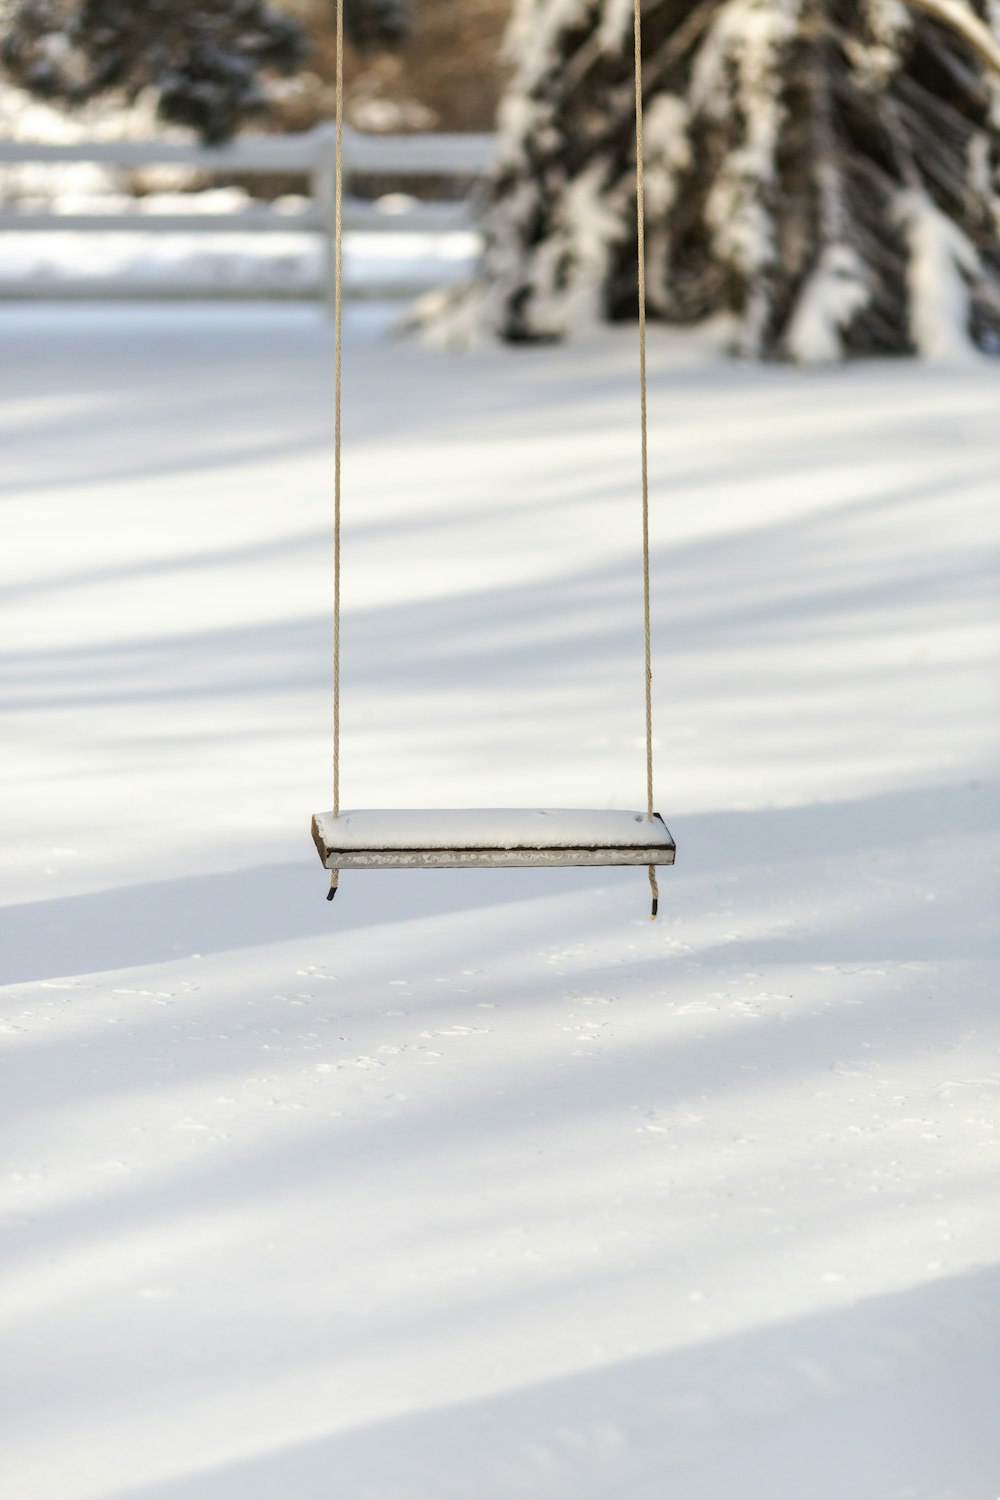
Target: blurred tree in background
(826, 171)
(206, 61)
(444, 73)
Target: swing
(479, 838)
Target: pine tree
(825, 171)
(206, 61)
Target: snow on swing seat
(503, 837)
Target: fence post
(324, 191)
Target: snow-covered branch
(966, 24)
(813, 168)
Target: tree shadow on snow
(892, 1396)
(160, 921)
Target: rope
(640, 196)
(338, 341)
(338, 308)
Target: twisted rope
(338, 312)
(640, 195)
(338, 343)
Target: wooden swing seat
(489, 838)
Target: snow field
(479, 1183)
(134, 264)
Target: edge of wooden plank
(487, 857)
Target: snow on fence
(311, 153)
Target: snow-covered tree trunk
(826, 171)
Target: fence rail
(311, 153)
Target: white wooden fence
(311, 153)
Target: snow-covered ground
(480, 1186)
(136, 265)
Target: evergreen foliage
(206, 60)
(824, 170)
